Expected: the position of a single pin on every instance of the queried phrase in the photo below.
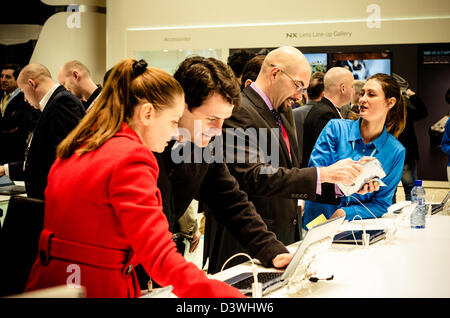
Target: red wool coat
(103, 212)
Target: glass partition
(168, 60)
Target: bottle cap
(418, 183)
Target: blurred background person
(251, 70)
(237, 61)
(76, 78)
(18, 118)
(338, 91)
(351, 110)
(445, 142)
(315, 94)
(415, 110)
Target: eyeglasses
(298, 87)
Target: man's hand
(194, 241)
(344, 171)
(282, 260)
(2, 171)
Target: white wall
(67, 36)
(58, 44)
(198, 24)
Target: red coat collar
(127, 131)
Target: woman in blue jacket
(382, 119)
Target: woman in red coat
(103, 210)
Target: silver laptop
(317, 240)
(438, 207)
(435, 207)
(8, 187)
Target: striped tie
(277, 117)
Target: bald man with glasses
(275, 186)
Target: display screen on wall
(436, 57)
(318, 61)
(363, 65)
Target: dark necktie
(277, 117)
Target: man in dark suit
(60, 113)
(338, 91)
(17, 119)
(315, 94)
(259, 130)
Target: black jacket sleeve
(231, 208)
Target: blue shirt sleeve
(325, 147)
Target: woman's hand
(372, 186)
(338, 213)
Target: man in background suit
(338, 91)
(315, 94)
(17, 119)
(274, 188)
(60, 113)
(76, 78)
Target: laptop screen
(317, 234)
(447, 197)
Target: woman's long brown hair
(121, 94)
(396, 117)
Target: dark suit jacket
(315, 121)
(18, 122)
(415, 110)
(212, 185)
(275, 195)
(61, 114)
(300, 114)
(91, 99)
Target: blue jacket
(445, 143)
(340, 139)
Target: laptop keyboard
(263, 277)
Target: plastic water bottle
(418, 197)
